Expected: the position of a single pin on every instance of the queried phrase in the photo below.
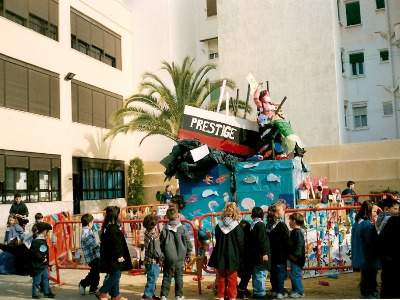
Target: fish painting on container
(208, 194)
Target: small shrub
(135, 182)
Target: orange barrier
(135, 230)
(65, 258)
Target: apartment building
(338, 63)
(65, 67)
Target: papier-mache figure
(277, 139)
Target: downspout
(392, 85)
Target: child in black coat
(228, 248)
(297, 254)
(278, 233)
(39, 253)
(246, 265)
(261, 253)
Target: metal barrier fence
(327, 238)
(65, 254)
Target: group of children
(244, 249)
(28, 254)
(374, 246)
(253, 249)
(171, 249)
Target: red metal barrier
(65, 258)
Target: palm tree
(157, 109)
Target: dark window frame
(15, 18)
(53, 78)
(100, 182)
(357, 64)
(31, 188)
(76, 98)
(32, 21)
(353, 13)
(111, 56)
(384, 55)
(380, 4)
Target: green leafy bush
(135, 182)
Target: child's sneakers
(180, 297)
(82, 290)
(241, 294)
(282, 296)
(297, 295)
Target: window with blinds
(211, 8)
(37, 177)
(95, 40)
(92, 105)
(357, 63)
(360, 115)
(353, 13)
(38, 15)
(29, 88)
(99, 178)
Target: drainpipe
(392, 88)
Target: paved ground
(19, 287)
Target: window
(357, 64)
(93, 106)
(35, 176)
(101, 179)
(97, 53)
(346, 124)
(353, 13)
(384, 55)
(380, 4)
(211, 8)
(212, 49)
(53, 32)
(40, 16)
(109, 60)
(95, 40)
(37, 24)
(15, 18)
(360, 115)
(213, 56)
(83, 47)
(28, 88)
(342, 60)
(387, 108)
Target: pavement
(20, 287)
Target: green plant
(387, 190)
(158, 109)
(135, 182)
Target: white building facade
(65, 66)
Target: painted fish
(221, 178)
(212, 204)
(272, 177)
(265, 132)
(192, 198)
(278, 147)
(250, 179)
(267, 154)
(208, 179)
(270, 196)
(208, 193)
(250, 165)
(263, 148)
